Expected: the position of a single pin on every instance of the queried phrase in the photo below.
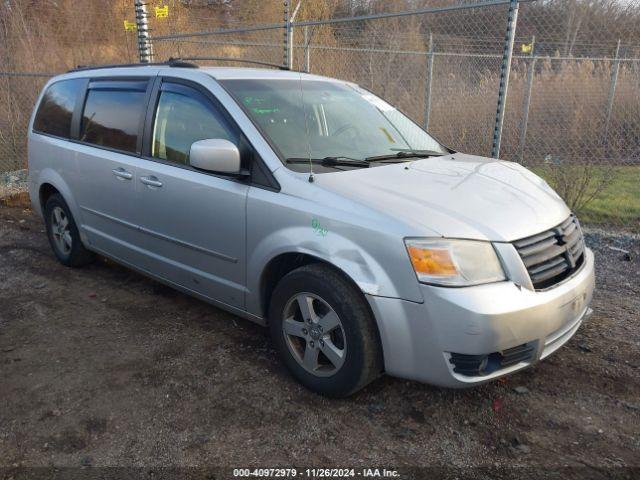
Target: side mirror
(215, 155)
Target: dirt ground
(103, 367)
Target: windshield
(342, 120)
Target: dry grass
(567, 117)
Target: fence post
(505, 71)
(615, 67)
(527, 98)
(287, 36)
(427, 84)
(307, 51)
(292, 47)
(145, 49)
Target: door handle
(151, 181)
(122, 173)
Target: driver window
(182, 120)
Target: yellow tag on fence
(129, 26)
(526, 48)
(162, 12)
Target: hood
(457, 196)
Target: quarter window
(56, 108)
(182, 120)
(111, 118)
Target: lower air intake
(480, 365)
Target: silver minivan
(313, 206)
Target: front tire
(324, 332)
(63, 233)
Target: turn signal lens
(432, 261)
(454, 263)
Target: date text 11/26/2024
(315, 473)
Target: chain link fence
(38, 40)
(571, 112)
(18, 93)
(437, 67)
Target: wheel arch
(49, 182)
(44, 192)
(284, 263)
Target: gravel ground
(103, 367)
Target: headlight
(454, 263)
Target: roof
(219, 73)
(227, 73)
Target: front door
(194, 222)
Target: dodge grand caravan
(310, 205)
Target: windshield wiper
(331, 161)
(406, 154)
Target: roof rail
(178, 63)
(232, 59)
(172, 62)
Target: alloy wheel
(314, 334)
(61, 231)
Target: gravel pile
(12, 183)
(616, 245)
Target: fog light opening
(481, 365)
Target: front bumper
(419, 338)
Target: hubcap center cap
(315, 332)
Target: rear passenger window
(111, 118)
(56, 108)
(182, 120)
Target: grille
(554, 255)
(477, 365)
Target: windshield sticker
(388, 135)
(264, 111)
(258, 106)
(378, 102)
(315, 224)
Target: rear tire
(338, 351)
(63, 233)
